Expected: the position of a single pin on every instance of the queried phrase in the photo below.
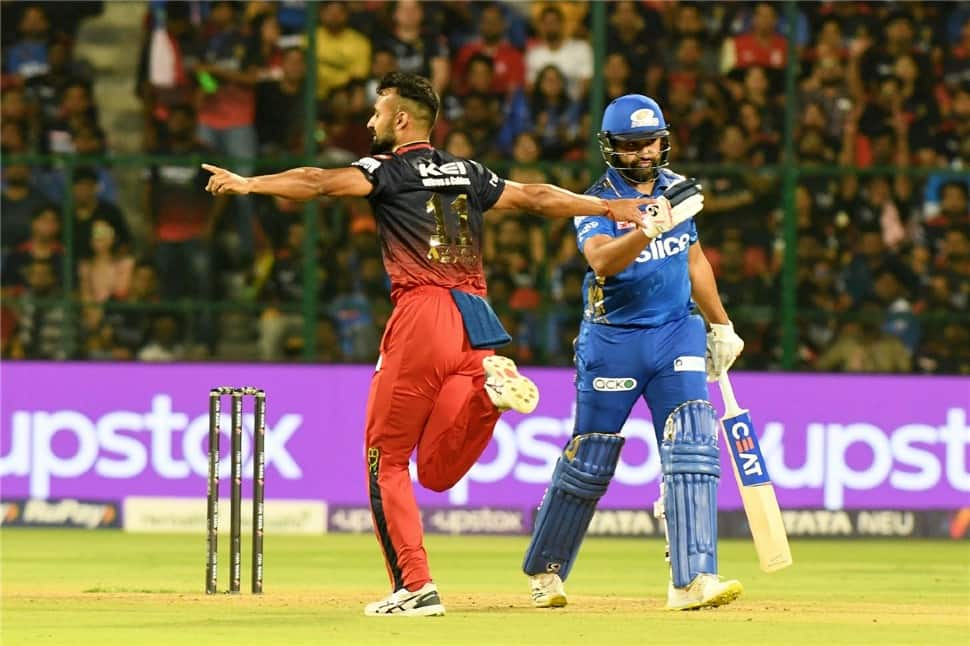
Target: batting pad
(580, 479)
(691, 470)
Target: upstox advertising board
(108, 431)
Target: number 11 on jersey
(442, 247)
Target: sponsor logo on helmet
(643, 117)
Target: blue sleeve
(692, 231)
(588, 226)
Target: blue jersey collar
(613, 177)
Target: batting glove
(723, 347)
(678, 203)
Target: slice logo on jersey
(614, 384)
(662, 248)
(643, 117)
(689, 364)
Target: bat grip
(727, 393)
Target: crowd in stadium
(882, 259)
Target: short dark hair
(960, 186)
(85, 174)
(415, 88)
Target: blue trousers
(616, 365)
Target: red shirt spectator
(762, 46)
(509, 62)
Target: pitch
(106, 587)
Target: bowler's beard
(381, 144)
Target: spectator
(227, 109)
(107, 273)
(183, 215)
(481, 119)
(279, 107)
(346, 138)
(42, 330)
(876, 64)
(88, 209)
(282, 292)
(43, 245)
(28, 56)
(264, 28)
(98, 339)
(19, 202)
(509, 64)
(870, 258)
(131, 321)
(416, 51)
(343, 53)
(617, 76)
(633, 38)
(46, 89)
(164, 341)
(77, 110)
(574, 57)
(760, 46)
(458, 143)
(946, 351)
(899, 320)
(384, 62)
(19, 112)
(738, 198)
(555, 118)
(862, 347)
(170, 55)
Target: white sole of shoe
(518, 392)
(551, 601)
(437, 610)
(722, 598)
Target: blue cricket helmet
(633, 117)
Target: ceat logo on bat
(746, 452)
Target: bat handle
(727, 393)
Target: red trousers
(427, 393)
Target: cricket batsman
(639, 338)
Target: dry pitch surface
(79, 587)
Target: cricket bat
(757, 492)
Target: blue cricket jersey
(655, 288)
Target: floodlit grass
(105, 587)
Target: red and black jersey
(429, 207)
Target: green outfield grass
(104, 587)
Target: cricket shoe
(547, 590)
(507, 389)
(424, 602)
(705, 591)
